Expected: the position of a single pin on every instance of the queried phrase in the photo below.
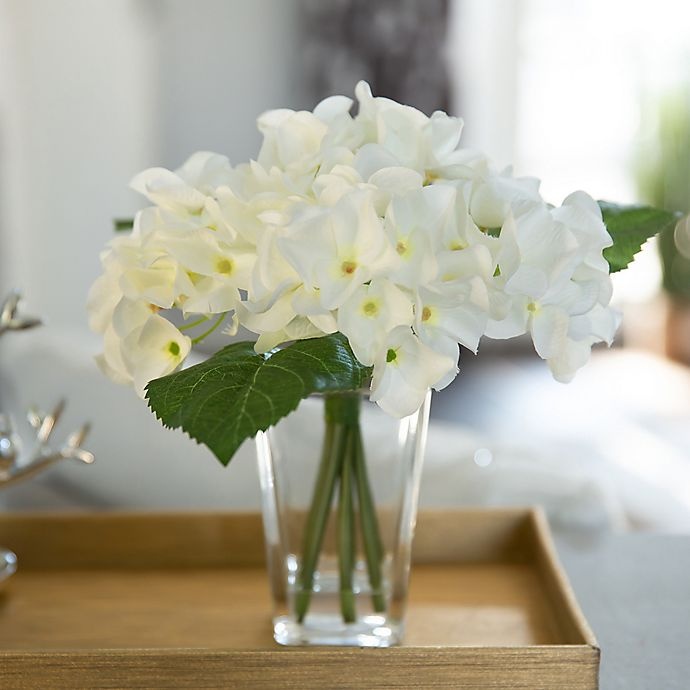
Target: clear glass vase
(340, 482)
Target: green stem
(346, 533)
(371, 535)
(343, 461)
(123, 224)
(205, 334)
(331, 464)
(193, 324)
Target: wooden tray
(122, 600)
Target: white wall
(78, 115)
(482, 53)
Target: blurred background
(591, 95)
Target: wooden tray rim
(32, 526)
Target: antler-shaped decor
(9, 320)
(13, 467)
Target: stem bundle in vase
(343, 472)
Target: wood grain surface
(469, 668)
(182, 600)
(485, 604)
(170, 540)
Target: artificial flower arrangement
(362, 250)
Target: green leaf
(630, 227)
(123, 224)
(236, 393)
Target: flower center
(391, 355)
(430, 177)
(426, 314)
(370, 308)
(224, 266)
(401, 247)
(173, 348)
(348, 267)
(532, 307)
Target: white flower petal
(404, 370)
(373, 157)
(513, 325)
(155, 349)
(129, 315)
(326, 323)
(549, 328)
(396, 180)
(102, 300)
(572, 357)
(333, 106)
(168, 190)
(276, 317)
(528, 280)
(205, 171)
(444, 134)
(449, 348)
(111, 362)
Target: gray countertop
(635, 593)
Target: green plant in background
(663, 178)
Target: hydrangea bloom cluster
(376, 225)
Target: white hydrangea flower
(339, 248)
(401, 136)
(153, 350)
(156, 278)
(582, 216)
(541, 265)
(370, 314)
(460, 314)
(292, 141)
(378, 225)
(493, 197)
(184, 191)
(404, 370)
(217, 269)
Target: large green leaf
(229, 397)
(630, 227)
